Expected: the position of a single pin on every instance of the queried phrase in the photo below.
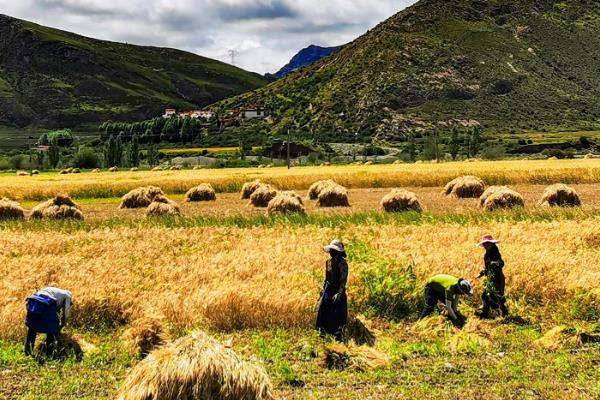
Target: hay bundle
(10, 210)
(589, 156)
(249, 188)
(203, 192)
(65, 172)
(113, 169)
(356, 358)
(560, 195)
(22, 173)
(162, 206)
(503, 199)
(262, 196)
(35, 172)
(399, 200)
(75, 171)
(488, 192)
(140, 197)
(157, 169)
(293, 194)
(465, 187)
(359, 330)
(333, 196)
(317, 187)
(145, 335)
(96, 171)
(196, 367)
(558, 338)
(175, 168)
(286, 203)
(134, 169)
(60, 207)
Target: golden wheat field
(252, 282)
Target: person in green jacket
(446, 289)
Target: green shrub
(86, 158)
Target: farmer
(333, 304)
(47, 312)
(446, 289)
(493, 294)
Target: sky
(264, 34)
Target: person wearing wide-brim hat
(495, 282)
(332, 316)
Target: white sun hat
(336, 245)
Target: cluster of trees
(158, 130)
(469, 143)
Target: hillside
(51, 78)
(305, 57)
(508, 65)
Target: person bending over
(47, 312)
(446, 289)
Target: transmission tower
(232, 53)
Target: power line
(232, 53)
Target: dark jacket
(493, 271)
(336, 273)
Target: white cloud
(266, 33)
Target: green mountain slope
(52, 78)
(508, 65)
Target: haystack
(60, 207)
(22, 173)
(64, 172)
(249, 188)
(196, 367)
(140, 197)
(262, 196)
(157, 169)
(286, 203)
(357, 358)
(589, 156)
(400, 200)
(134, 169)
(465, 187)
(503, 199)
(203, 192)
(96, 171)
(10, 210)
(488, 192)
(113, 169)
(333, 196)
(35, 172)
(162, 206)
(75, 171)
(360, 331)
(560, 195)
(144, 335)
(293, 194)
(317, 187)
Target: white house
(202, 114)
(169, 112)
(253, 113)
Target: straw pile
(60, 207)
(560, 195)
(113, 169)
(134, 169)
(503, 199)
(159, 168)
(203, 192)
(488, 192)
(162, 206)
(355, 358)
(22, 173)
(589, 156)
(286, 203)
(333, 196)
(558, 338)
(249, 188)
(359, 330)
(35, 172)
(196, 367)
(317, 187)
(145, 335)
(96, 171)
(175, 168)
(262, 196)
(140, 197)
(400, 200)
(465, 187)
(75, 171)
(10, 210)
(66, 171)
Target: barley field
(251, 281)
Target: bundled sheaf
(162, 206)
(263, 195)
(144, 335)
(196, 367)
(400, 200)
(203, 192)
(140, 197)
(560, 195)
(360, 331)
(488, 192)
(22, 173)
(503, 199)
(113, 169)
(356, 358)
(333, 196)
(286, 203)
(60, 207)
(249, 188)
(317, 187)
(465, 187)
(10, 210)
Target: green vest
(447, 283)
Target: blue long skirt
(42, 315)
(332, 317)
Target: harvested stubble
(144, 335)
(317, 187)
(60, 207)
(203, 192)
(357, 358)
(140, 197)
(503, 199)
(10, 210)
(162, 206)
(333, 196)
(196, 367)
(400, 200)
(463, 187)
(262, 196)
(249, 188)
(286, 203)
(488, 192)
(560, 195)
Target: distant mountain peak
(305, 57)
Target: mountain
(50, 78)
(507, 65)
(305, 57)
